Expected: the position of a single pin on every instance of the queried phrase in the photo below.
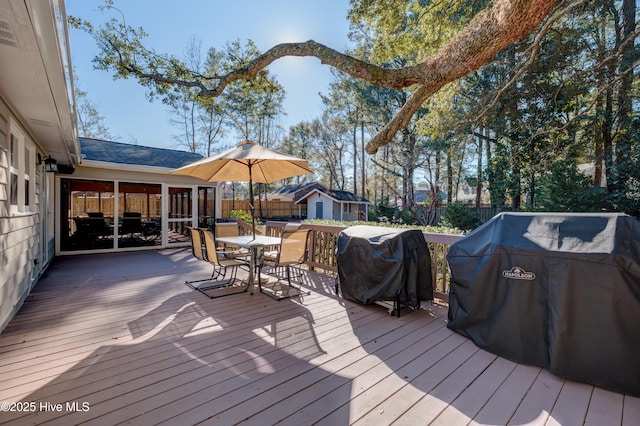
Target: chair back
(227, 229)
(131, 223)
(293, 250)
(210, 246)
(291, 226)
(97, 225)
(196, 244)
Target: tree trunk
(362, 166)
(436, 193)
(598, 145)
(355, 159)
(490, 177)
(623, 145)
(515, 187)
(479, 173)
(450, 180)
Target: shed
(324, 203)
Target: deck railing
(324, 244)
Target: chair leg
(226, 284)
(259, 278)
(211, 278)
(293, 290)
(298, 275)
(288, 270)
(221, 284)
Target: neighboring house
(467, 193)
(324, 203)
(420, 196)
(105, 196)
(589, 170)
(289, 192)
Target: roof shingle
(123, 153)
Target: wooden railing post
(312, 249)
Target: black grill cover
(557, 290)
(377, 263)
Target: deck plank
(504, 402)
(437, 363)
(572, 404)
(158, 387)
(536, 405)
(477, 394)
(307, 388)
(122, 333)
(265, 385)
(605, 407)
(428, 408)
(364, 394)
(630, 411)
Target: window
(13, 168)
(27, 178)
(109, 214)
(21, 170)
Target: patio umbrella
(248, 162)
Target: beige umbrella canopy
(248, 162)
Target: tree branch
(534, 48)
(392, 78)
(487, 34)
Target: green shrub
(430, 229)
(565, 189)
(459, 215)
(243, 215)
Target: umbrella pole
(251, 208)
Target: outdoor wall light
(50, 165)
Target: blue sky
(170, 25)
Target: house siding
(20, 250)
(350, 216)
(37, 119)
(337, 208)
(19, 262)
(4, 160)
(327, 206)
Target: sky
(128, 114)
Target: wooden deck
(118, 338)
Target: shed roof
(342, 196)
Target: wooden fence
(270, 209)
(287, 209)
(324, 244)
(149, 206)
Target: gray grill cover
(557, 290)
(377, 263)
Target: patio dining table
(255, 245)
